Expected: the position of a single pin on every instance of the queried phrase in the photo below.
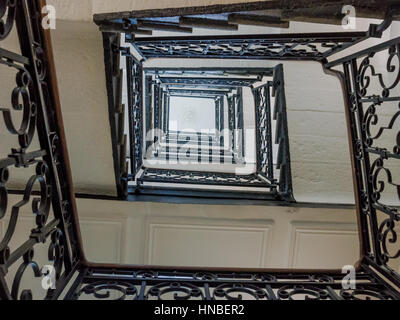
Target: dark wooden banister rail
(53, 86)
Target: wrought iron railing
(203, 178)
(183, 146)
(235, 122)
(262, 100)
(114, 79)
(189, 146)
(135, 107)
(185, 284)
(282, 135)
(272, 46)
(35, 96)
(49, 190)
(372, 108)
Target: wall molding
(322, 228)
(264, 231)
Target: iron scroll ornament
(46, 191)
(7, 12)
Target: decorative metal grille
(372, 107)
(48, 190)
(148, 109)
(315, 46)
(135, 111)
(235, 121)
(264, 131)
(181, 284)
(203, 178)
(207, 71)
(114, 81)
(165, 111)
(209, 82)
(193, 92)
(282, 135)
(220, 116)
(157, 107)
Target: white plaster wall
(79, 60)
(208, 235)
(191, 114)
(212, 235)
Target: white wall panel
(207, 245)
(333, 245)
(103, 240)
(209, 235)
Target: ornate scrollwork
(40, 64)
(40, 207)
(200, 177)
(180, 291)
(143, 274)
(27, 127)
(264, 277)
(228, 291)
(366, 65)
(205, 276)
(4, 176)
(30, 98)
(371, 93)
(103, 290)
(239, 48)
(378, 169)
(365, 203)
(322, 278)
(56, 251)
(210, 82)
(302, 292)
(371, 120)
(135, 89)
(55, 254)
(27, 261)
(358, 150)
(362, 293)
(8, 7)
(387, 235)
(186, 284)
(264, 130)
